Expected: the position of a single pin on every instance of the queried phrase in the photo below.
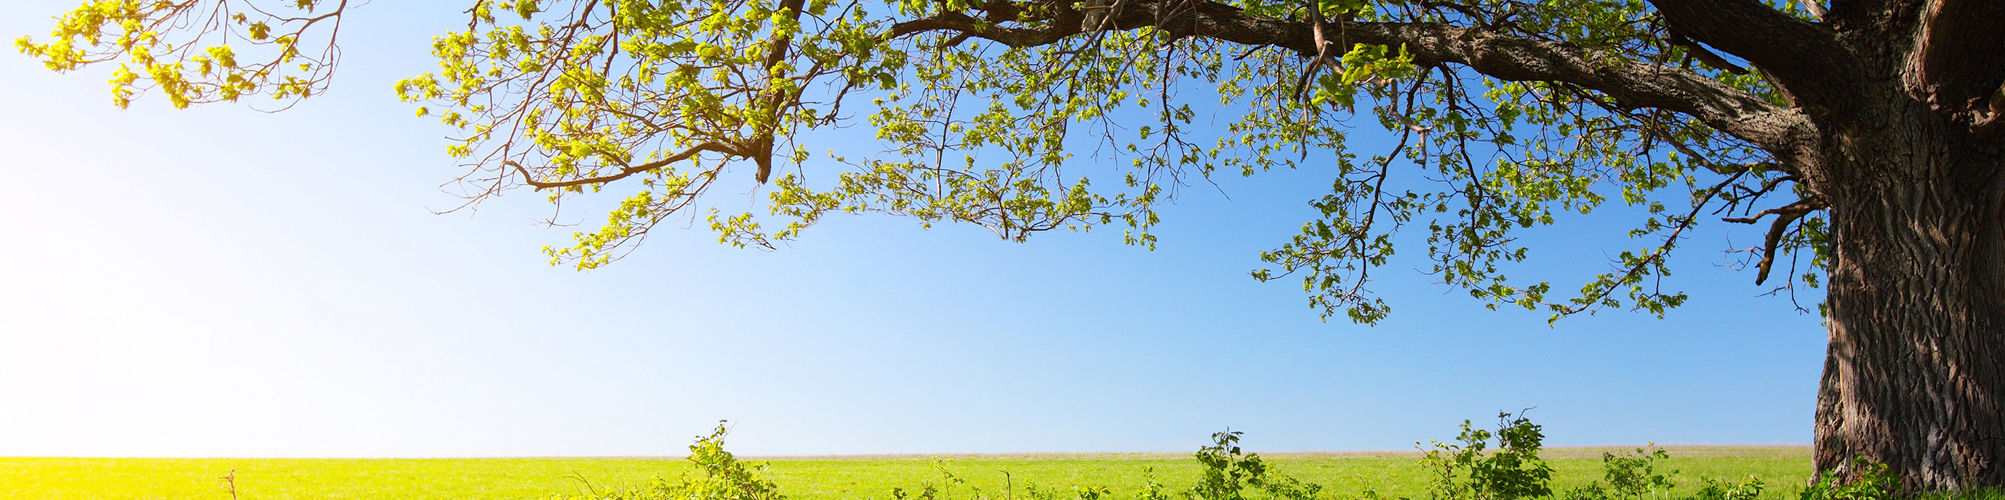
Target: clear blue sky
(221, 282)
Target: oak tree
(1863, 141)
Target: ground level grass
(1784, 469)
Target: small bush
(1632, 476)
(724, 477)
(1151, 488)
(1513, 471)
(1635, 476)
(1869, 480)
(1721, 490)
(1228, 472)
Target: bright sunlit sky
(222, 282)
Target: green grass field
(1784, 469)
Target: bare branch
(624, 171)
(1816, 8)
(1656, 255)
(1785, 215)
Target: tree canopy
(1868, 138)
(1005, 114)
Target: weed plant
(1863, 480)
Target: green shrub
(1514, 471)
(724, 478)
(1635, 476)
(1711, 489)
(1151, 488)
(1632, 476)
(1869, 480)
(1228, 472)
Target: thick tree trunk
(1915, 375)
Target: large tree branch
(1961, 54)
(1804, 59)
(1631, 82)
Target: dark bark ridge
(1892, 126)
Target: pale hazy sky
(222, 282)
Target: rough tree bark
(1914, 375)
(1913, 378)
(1909, 162)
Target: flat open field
(1392, 474)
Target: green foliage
(1634, 476)
(1031, 491)
(1713, 489)
(1024, 117)
(724, 478)
(1283, 487)
(1631, 476)
(1864, 479)
(944, 489)
(185, 48)
(1227, 472)
(1464, 471)
(1513, 471)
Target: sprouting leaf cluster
(199, 51)
(1492, 157)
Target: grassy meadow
(1784, 469)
